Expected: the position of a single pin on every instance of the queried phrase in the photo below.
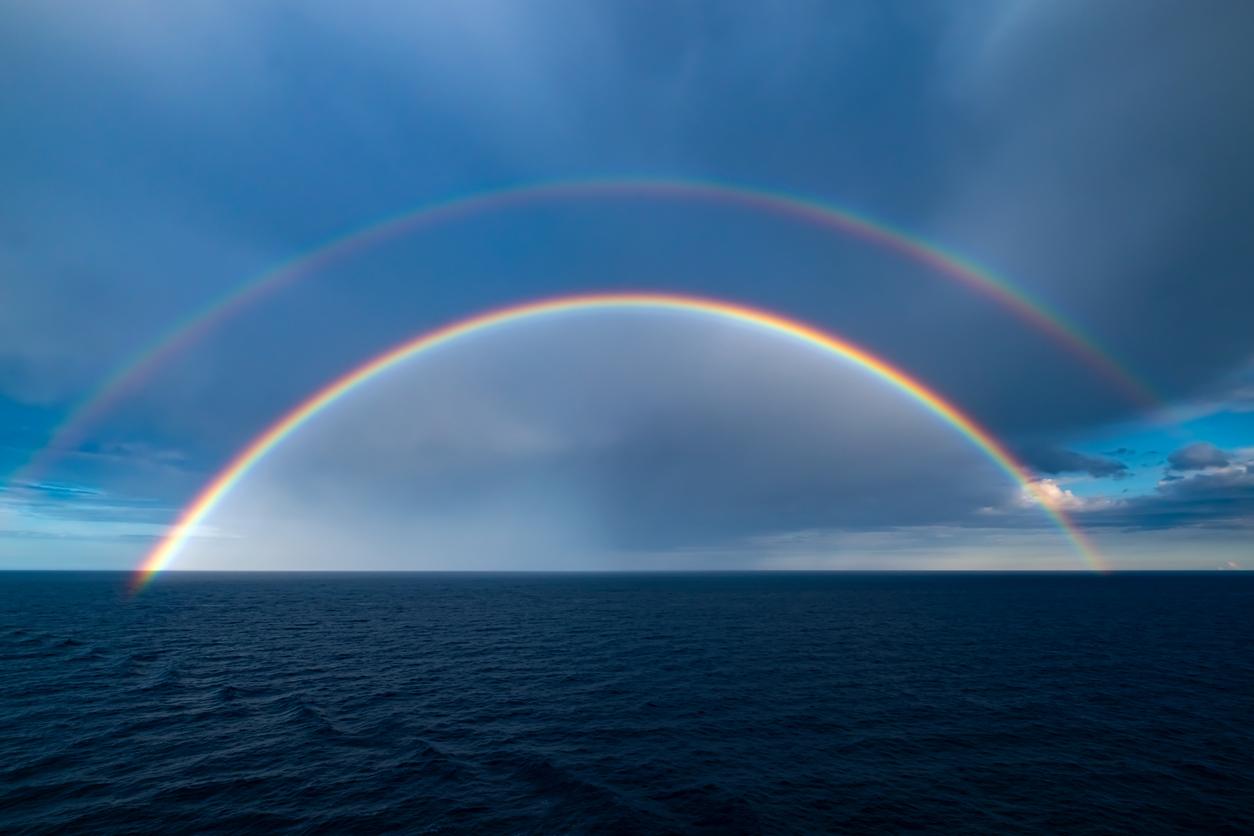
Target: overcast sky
(1095, 156)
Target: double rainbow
(134, 372)
(161, 556)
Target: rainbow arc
(212, 494)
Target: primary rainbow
(143, 364)
(161, 556)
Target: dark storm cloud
(1113, 177)
(1096, 155)
(1055, 460)
(804, 100)
(1198, 456)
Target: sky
(1094, 158)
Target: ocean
(590, 703)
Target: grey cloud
(1053, 460)
(1114, 175)
(1198, 456)
(1216, 497)
(659, 433)
(615, 88)
(1098, 156)
(94, 287)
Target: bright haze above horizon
(1095, 159)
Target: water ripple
(540, 704)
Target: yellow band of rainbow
(166, 550)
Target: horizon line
(627, 571)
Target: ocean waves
(588, 703)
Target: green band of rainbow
(161, 556)
(142, 365)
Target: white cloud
(1051, 493)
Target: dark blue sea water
(619, 703)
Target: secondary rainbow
(141, 366)
(161, 556)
